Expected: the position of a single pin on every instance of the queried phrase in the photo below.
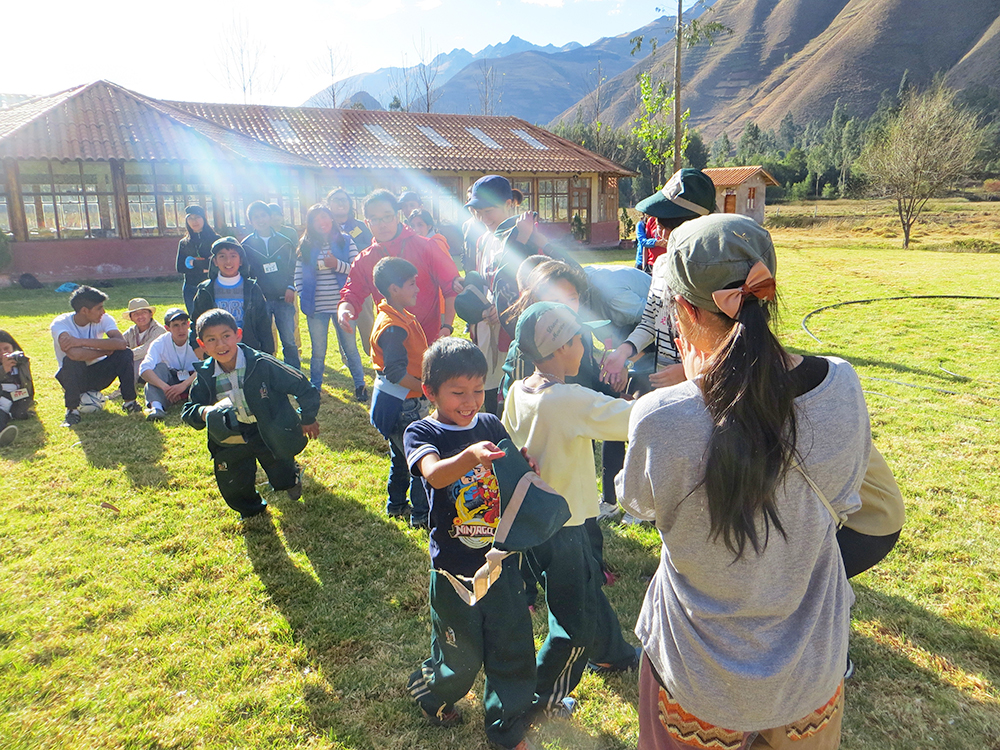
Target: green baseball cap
(546, 326)
(715, 252)
(688, 193)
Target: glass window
(525, 187)
(553, 200)
(67, 200)
(139, 183)
(751, 198)
(4, 216)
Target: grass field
(163, 622)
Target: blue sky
(164, 51)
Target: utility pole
(678, 136)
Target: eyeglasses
(390, 219)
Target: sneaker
(419, 523)
(295, 491)
(361, 394)
(849, 672)
(255, 514)
(154, 414)
(398, 511)
(631, 665)
(629, 520)
(608, 510)
(443, 717)
(72, 418)
(8, 435)
(131, 407)
(562, 710)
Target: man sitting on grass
(91, 353)
(168, 367)
(241, 396)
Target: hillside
(801, 56)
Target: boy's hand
(531, 462)
(289, 296)
(525, 226)
(486, 453)
(670, 375)
(311, 430)
(346, 316)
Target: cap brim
(661, 207)
(595, 323)
(479, 203)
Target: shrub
(5, 254)
(627, 226)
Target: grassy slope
(167, 625)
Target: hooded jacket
(272, 264)
(198, 247)
(267, 383)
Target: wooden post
(15, 203)
(120, 188)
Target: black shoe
(8, 435)
(361, 394)
(72, 418)
(132, 407)
(632, 665)
(295, 491)
(419, 523)
(401, 511)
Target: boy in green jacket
(241, 396)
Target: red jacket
(436, 273)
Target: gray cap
(173, 314)
(715, 252)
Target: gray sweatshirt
(761, 642)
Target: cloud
(546, 3)
(429, 4)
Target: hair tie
(759, 284)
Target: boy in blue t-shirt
(453, 450)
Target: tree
(696, 152)
(651, 128)
(426, 74)
(489, 84)
(401, 87)
(721, 148)
(929, 145)
(333, 64)
(241, 58)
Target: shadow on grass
(881, 364)
(920, 675)
(128, 442)
(31, 438)
(360, 612)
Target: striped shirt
(655, 324)
(327, 285)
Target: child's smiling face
(228, 260)
(459, 399)
(220, 343)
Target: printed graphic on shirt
(232, 306)
(477, 508)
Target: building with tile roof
(96, 178)
(741, 190)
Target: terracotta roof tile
(102, 121)
(732, 176)
(353, 139)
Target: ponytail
(748, 394)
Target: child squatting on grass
(17, 389)
(241, 396)
(398, 344)
(452, 451)
(555, 422)
(745, 622)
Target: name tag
(19, 394)
(270, 268)
(355, 232)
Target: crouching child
(241, 396)
(452, 451)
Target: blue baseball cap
(488, 191)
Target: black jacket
(256, 319)
(272, 265)
(199, 248)
(267, 384)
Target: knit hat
(531, 512)
(713, 253)
(546, 326)
(195, 211)
(232, 243)
(688, 193)
(488, 191)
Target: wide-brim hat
(546, 326)
(531, 512)
(136, 304)
(472, 301)
(689, 193)
(714, 253)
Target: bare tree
(402, 87)
(426, 73)
(929, 145)
(333, 64)
(242, 60)
(490, 88)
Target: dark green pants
(236, 472)
(582, 624)
(495, 634)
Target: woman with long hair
(747, 469)
(17, 389)
(324, 259)
(194, 252)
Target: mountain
(385, 82)
(364, 99)
(802, 56)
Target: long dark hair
(206, 229)
(546, 272)
(749, 395)
(6, 338)
(313, 239)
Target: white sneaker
(630, 520)
(607, 510)
(154, 414)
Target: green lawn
(162, 622)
